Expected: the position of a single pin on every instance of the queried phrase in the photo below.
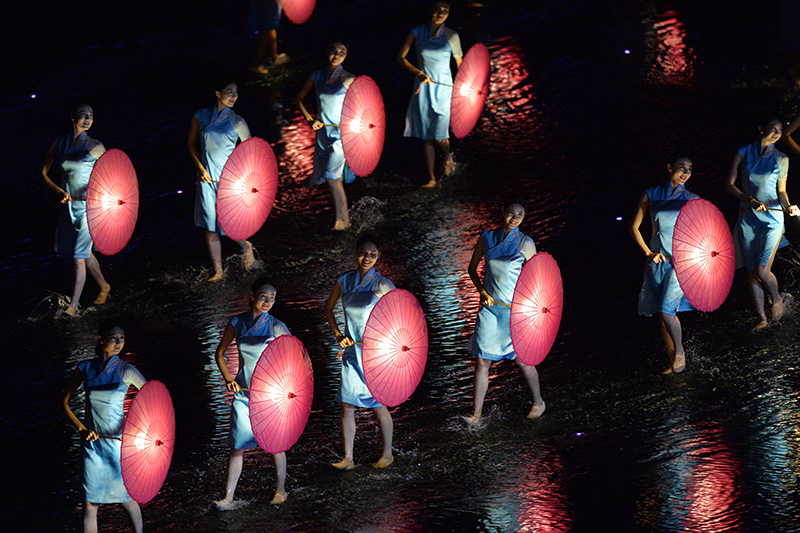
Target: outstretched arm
(787, 134)
(191, 144)
(72, 386)
(477, 255)
(343, 340)
(314, 123)
(406, 64)
(790, 208)
(50, 156)
(733, 190)
(227, 338)
(634, 230)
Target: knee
(89, 509)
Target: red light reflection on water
(672, 61)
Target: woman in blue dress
(759, 231)
(218, 129)
(253, 330)
(105, 379)
(661, 292)
(330, 85)
(359, 291)
(504, 251)
(72, 158)
(428, 115)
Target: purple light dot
(619, 218)
(579, 434)
(627, 51)
(180, 191)
(33, 96)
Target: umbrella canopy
(112, 201)
(298, 11)
(703, 254)
(247, 188)
(536, 308)
(363, 125)
(281, 392)
(395, 347)
(147, 441)
(470, 89)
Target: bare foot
(280, 59)
(679, 365)
(279, 498)
(449, 167)
(431, 184)
(340, 225)
(224, 505)
(217, 276)
(383, 462)
(103, 296)
(778, 310)
(761, 325)
(260, 70)
(69, 312)
(247, 256)
(537, 410)
(345, 464)
(474, 421)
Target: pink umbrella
(247, 188)
(112, 201)
(363, 126)
(298, 11)
(395, 347)
(281, 392)
(703, 254)
(147, 441)
(536, 308)
(470, 89)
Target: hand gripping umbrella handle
(341, 350)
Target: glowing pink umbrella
(247, 188)
(470, 89)
(281, 392)
(147, 441)
(703, 254)
(298, 11)
(536, 308)
(395, 347)
(112, 201)
(363, 126)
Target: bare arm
(477, 255)
(733, 190)
(406, 64)
(787, 134)
(314, 123)
(191, 144)
(49, 157)
(72, 386)
(634, 230)
(793, 210)
(343, 340)
(219, 355)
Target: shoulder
(384, 284)
(691, 196)
(450, 33)
(202, 114)
(344, 277)
(347, 79)
(237, 119)
(743, 150)
(238, 319)
(279, 327)
(95, 148)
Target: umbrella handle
(331, 125)
(105, 437)
(432, 81)
(501, 303)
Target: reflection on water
(671, 59)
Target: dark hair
(347, 46)
(433, 3)
(103, 330)
(368, 238)
(766, 120)
(260, 282)
(676, 159)
(518, 200)
(74, 112)
(224, 82)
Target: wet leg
(531, 376)
(340, 204)
(215, 252)
(89, 517)
(479, 387)
(78, 282)
(386, 424)
(673, 338)
(280, 478)
(247, 254)
(757, 295)
(235, 461)
(93, 266)
(429, 153)
(135, 515)
(449, 164)
(348, 436)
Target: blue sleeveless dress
(660, 291)
(251, 340)
(329, 162)
(74, 163)
(358, 299)
(428, 115)
(219, 133)
(758, 233)
(503, 259)
(105, 387)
